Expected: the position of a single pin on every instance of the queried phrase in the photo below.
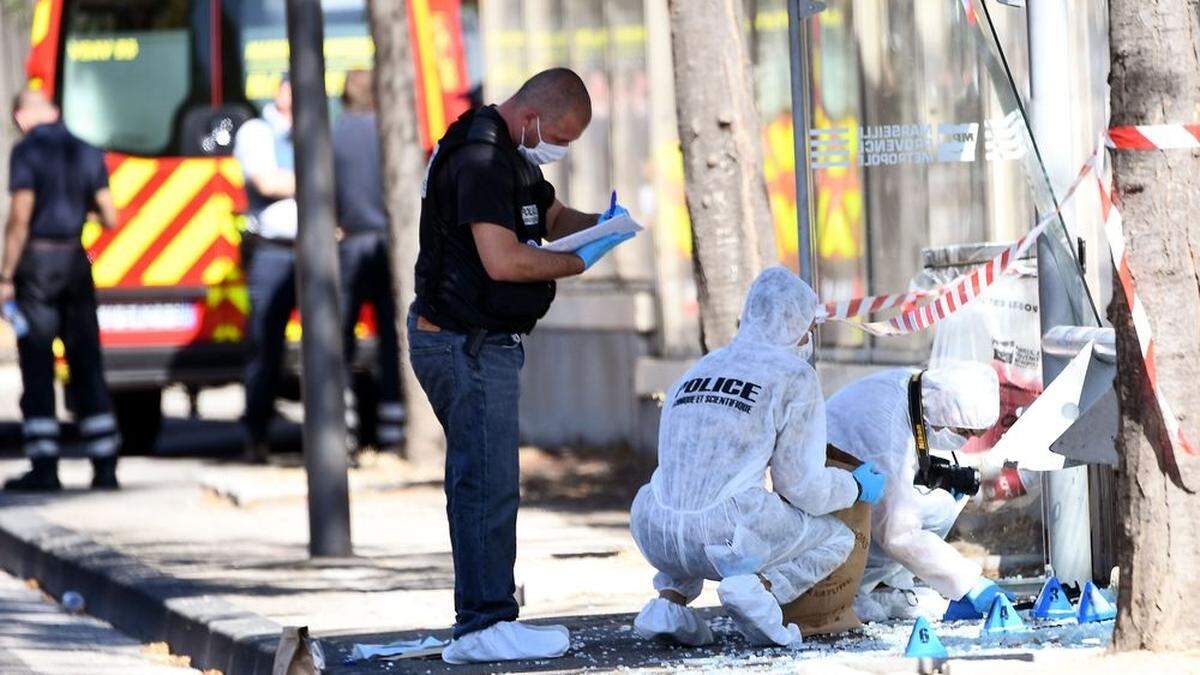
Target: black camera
(953, 478)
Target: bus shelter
(928, 137)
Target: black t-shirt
(64, 173)
(477, 184)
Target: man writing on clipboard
(481, 282)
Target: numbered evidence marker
(924, 643)
(1002, 618)
(1052, 602)
(961, 610)
(1093, 606)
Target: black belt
(475, 336)
(53, 244)
(282, 243)
(355, 234)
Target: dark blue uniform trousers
(271, 282)
(55, 292)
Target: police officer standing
(480, 285)
(363, 251)
(263, 148)
(55, 179)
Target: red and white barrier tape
(1154, 137)
(950, 297)
(1114, 230)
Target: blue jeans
(271, 282)
(475, 399)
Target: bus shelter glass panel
(922, 165)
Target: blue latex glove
(614, 210)
(870, 483)
(982, 595)
(590, 253)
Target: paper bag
(828, 607)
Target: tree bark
(721, 135)
(403, 166)
(14, 44)
(1155, 79)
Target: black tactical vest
(460, 296)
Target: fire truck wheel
(139, 417)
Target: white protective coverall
(752, 406)
(870, 420)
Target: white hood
(780, 308)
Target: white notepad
(619, 225)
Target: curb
(135, 598)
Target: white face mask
(543, 152)
(806, 350)
(946, 440)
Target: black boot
(104, 473)
(43, 477)
(256, 452)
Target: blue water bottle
(16, 319)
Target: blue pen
(612, 207)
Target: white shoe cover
(869, 609)
(896, 603)
(662, 619)
(553, 628)
(756, 612)
(508, 641)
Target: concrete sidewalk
(210, 557)
(187, 529)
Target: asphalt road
(39, 636)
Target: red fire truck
(162, 85)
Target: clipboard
(620, 225)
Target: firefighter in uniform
(480, 285)
(55, 179)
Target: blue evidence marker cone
(961, 610)
(924, 643)
(1002, 617)
(1052, 602)
(1093, 606)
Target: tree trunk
(403, 164)
(14, 44)
(1155, 79)
(721, 135)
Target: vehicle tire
(139, 418)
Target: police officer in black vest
(480, 286)
(55, 179)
